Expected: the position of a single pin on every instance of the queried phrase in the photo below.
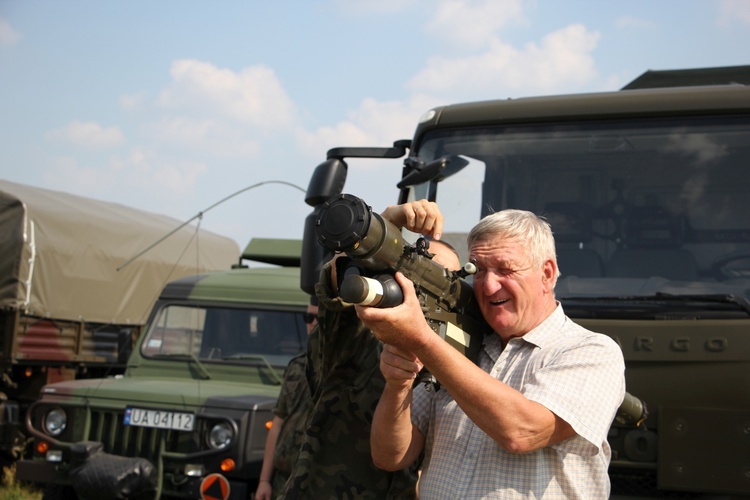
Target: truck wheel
(59, 492)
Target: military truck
(189, 416)
(67, 308)
(647, 190)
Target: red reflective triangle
(215, 487)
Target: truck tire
(59, 492)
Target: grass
(12, 489)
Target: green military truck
(647, 190)
(68, 309)
(189, 416)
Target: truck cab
(189, 415)
(646, 190)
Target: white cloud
(614, 82)
(373, 123)
(214, 137)
(68, 175)
(471, 23)
(154, 178)
(8, 36)
(89, 135)
(145, 170)
(734, 11)
(182, 131)
(252, 96)
(563, 59)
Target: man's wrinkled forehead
(498, 250)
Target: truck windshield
(226, 335)
(638, 208)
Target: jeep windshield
(213, 335)
(641, 209)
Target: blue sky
(171, 106)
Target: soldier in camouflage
(285, 437)
(346, 383)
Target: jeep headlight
(55, 421)
(221, 435)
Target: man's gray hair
(519, 225)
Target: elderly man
(531, 420)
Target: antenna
(199, 215)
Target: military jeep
(188, 418)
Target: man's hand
(399, 367)
(403, 326)
(419, 216)
(264, 491)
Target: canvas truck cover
(60, 253)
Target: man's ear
(549, 273)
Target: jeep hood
(174, 393)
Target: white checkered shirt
(577, 374)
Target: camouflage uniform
(292, 406)
(343, 370)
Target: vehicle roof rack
(727, 75)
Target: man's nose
(491, 283)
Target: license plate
(160, 419)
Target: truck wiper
(437, 170)
(721, 298)
(258, 357)
(659, 298)
(189, 355)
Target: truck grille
(125, 440)
(629, 483)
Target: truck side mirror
(327, 181)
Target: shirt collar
(545, 331)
